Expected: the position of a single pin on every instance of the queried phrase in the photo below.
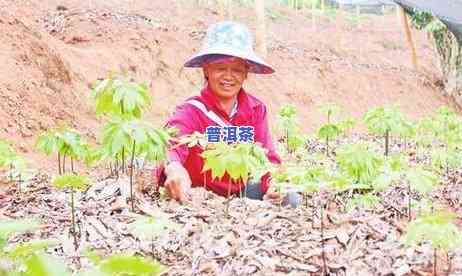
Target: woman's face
(226, 77)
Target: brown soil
(52, 51)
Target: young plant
(332, 129)
(309, 180)
(361, 164)
(407, 130)
(444, 158)
(15, 164)
(447, 127)
(390, 172)
(123, 264)
(447, 130)
(65, 142)
(385, 121)
(26, 258)
(314, 180)
(346, 125)
(327, 132)
(73, 183)
(438, 229)
(238, 161)
(10, 227)
(420, 180)
(121, 97)
(150, 228)
(7, 155)
(289, 128)
(367, 201)
(141, 138)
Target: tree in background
(448, 48)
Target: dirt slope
(52, 51)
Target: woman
(224, 111)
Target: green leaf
(421, 180)
(93, 256)
(121, 97)
(288, 127)
(359, 163)
(444, 157)
(8, 227)
(389, 118)
(436, 228)
(121, 133)
(368, 201)
(76, 182)
(44, 265)
(240, 161)
(346, 125)
(26, 249)
(288, 111)
(328, 131)
(383, 181)
(130, 265)
(149, 228)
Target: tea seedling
(26, 258)
(15, 164)
(436, 228)
(385, 121)
(138, 136)
(123, 264)
(421, 181)
(149, 228)
(360, 163)
(121, 97)
(65, 142)
(74, 183)
(288, 126)
(329, 130)
(238, 161)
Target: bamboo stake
(384, 18)
(338, 19)
(313, 15)
(261, 27)
(409, 39)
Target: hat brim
(256, 64)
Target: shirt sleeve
(183, 122)
(263, 135)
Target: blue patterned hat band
(230, 39)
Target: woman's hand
(178, 182)
(273, 196)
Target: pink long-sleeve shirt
(188, 118)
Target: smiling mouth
(227, 85)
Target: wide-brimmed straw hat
(229, 39)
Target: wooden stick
(410, 41)
(338, 19)
(313, 15)
(261, 27)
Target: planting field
(363, 213)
